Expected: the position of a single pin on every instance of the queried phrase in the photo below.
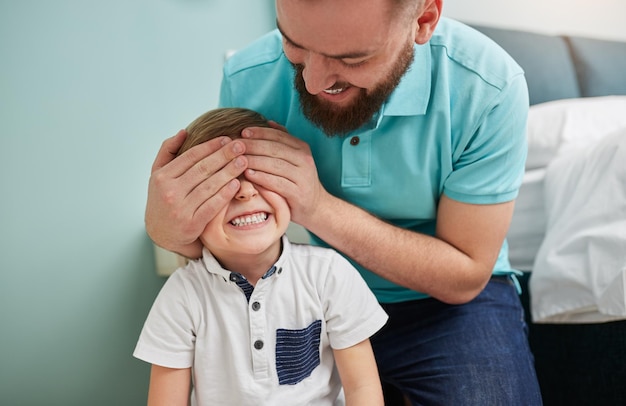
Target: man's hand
(186, 192)
(282, 163)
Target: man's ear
(427, 20)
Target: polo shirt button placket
(256, 306)
(258, 344)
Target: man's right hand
(186, 192)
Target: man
(407, 152)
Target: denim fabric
(471, 354)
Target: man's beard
(336, 120)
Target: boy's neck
(252, 266)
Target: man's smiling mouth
(334, 91)
(249, 219)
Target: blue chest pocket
(297, 353)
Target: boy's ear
(427, 20)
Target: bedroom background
(88, 91)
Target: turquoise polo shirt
(455, 125)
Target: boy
(258, 320)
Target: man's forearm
(420, 262)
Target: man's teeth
(248, 220)
(334, 91)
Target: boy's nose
(246, 190)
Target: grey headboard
(563, 67)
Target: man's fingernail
(246, 133)
(237, 148)
(239, 162)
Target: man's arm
(169, 386)
(454, 266)
(359, 375)
(186, 192)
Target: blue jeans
(471, 354)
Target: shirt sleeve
(168, 337)
(489, 163)
(352, 312)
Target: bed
(568, 233)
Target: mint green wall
(88, 91)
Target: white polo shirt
(267, 345)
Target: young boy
(258, 320)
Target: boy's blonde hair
(229, 121)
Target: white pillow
(579, 275)
(556, 127)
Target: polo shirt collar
(411, 96)
(214, 267)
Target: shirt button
(354, 141)
(256, 306)
(258, 344)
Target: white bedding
(555, 129)
(568, 226)
(579, 275)
(560, 126)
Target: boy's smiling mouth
(249, 219)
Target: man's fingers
(209, 208)
(215, 170)
(272, 134)
(277, 126)
(208, 165)
(168, 150)
(286, 187)
(204, 153)
(278, 167)
(208, 187)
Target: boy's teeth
(248, 220)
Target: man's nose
(246, 190)
(318, 73)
